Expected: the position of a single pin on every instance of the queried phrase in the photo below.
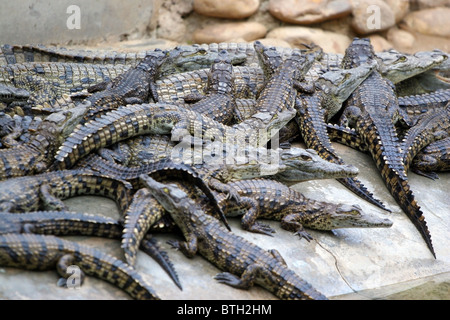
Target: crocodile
(247, 83)
(188, 57)
(37, 154)
(293, 166)
(135, 86)
(430, 127)
(67, 223)
(243, 262)
(45, 82)
(47, 190)
(287, 165)
(313, 111)
(218, 102)
(372, 110)
(134, 120)
(273, 200)
(396, 66)
(415, 106)
(434, 157)
(45, 252)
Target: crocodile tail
(356, 186)
(402, 193)
(394, 177)
(150, 246)
(311, 120)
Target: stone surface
(432, 21)
(337, 263)
(223, 32)
(309, 11)
(296, 36)
(401, 39)
(399, 8)
(272, 42)
(46, 22)
(424, 4)
(371, 16)
(379, 43)
(230, 9)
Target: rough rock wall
(407, 25)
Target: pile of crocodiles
(184, 139)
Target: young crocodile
(372, 110)
(41, 252)
(433, 158)
(66, 223)
(134, 86)
(45, 82)
(47, 190)
(36, 155)
(244, 263)
(274, 200)
(218, 102)
(313, 111)
(432, 126)
(134, 120)
(293, 166)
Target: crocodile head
(269, 58)
(397, 66)
(345, 216)
(153, 61)
(338, 85)
(360, 51)
(188, 58)
(65, 121)
(174, 200)
(305, 164)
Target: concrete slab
(337, 263)
(74, 21)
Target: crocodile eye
(305, 158)
(402, 59)
(166, 190)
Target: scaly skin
(244, 263)
(134, 120)
(47, 81)
(373, 111)
(134, 86)
(247, 83)
(396, 66)
(66, 223)
(37, 154)
(40, 252)
(218, 103)
(283, 78)
(416, 106)
(47, 190)
(274, 200)
(433, 158)
(432, 126)
(30, 158)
